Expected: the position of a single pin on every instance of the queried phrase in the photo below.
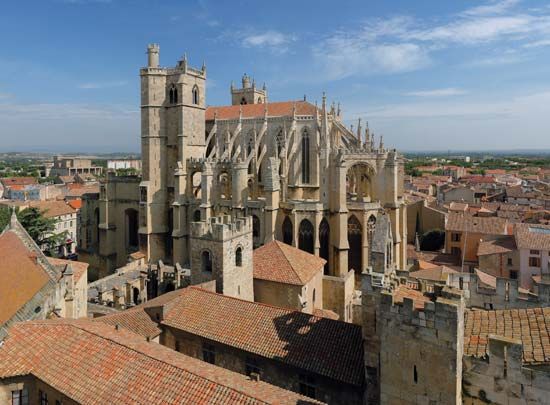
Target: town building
(72, 165)
(33, 286)
(318, 357)
(124, 164)
(84, 362)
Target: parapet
(221, 228)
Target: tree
(432, 240)
(39, 228)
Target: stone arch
(131, 225)
(288, 231)
(135, 296)
(196, 185)
(359, 182)
(306, 236)
(224, 183)
(324, 242)
(239, 256)
(206, 261)
(355, 240)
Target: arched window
(287, 231)
(355, 252)
(305, 236)
(171, 95)
(197, 216)
(206, 261)
(243, 101)
(305, 157)
(259, 100)
(324, 241)
(175, 95)
(195, 95)
(239, 257)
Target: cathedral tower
(172, 130)
(249, 93)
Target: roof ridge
(279, 243)
(73, 324)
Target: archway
(131, 225)
(324, 241)
(305, 236)
(358, 182)
(287, 231)
(135, 295)
(355, 252)
(224, 183)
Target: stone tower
(249, 93)
(172, 130)
(221, 250)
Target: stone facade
(303, 176)
(222, 251)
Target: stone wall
(338, 295)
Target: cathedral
(292, 167)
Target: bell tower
(249, 93)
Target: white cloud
(495, 61)
(102, 85)
(446, 92)
(537, 44)
(494, 7)
(268, 39)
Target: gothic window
(371, 225)
(259, 100)
(305, 236)
(197, 216)
(206, 261)
(175, 95)
(324, 241)
(305, 157)
(171, 95)
(243, 101)
(195, 95)
(355, 252)
(239, 257)
(287, 231)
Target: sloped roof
(532, 236)
(91, 362)
(282, 263)
(20, 181)
(531, 326)
(497, 246)
(26, 277)
(278, 109)
(52, 209)
(439, 273)
(79, 268)
(320, 345)
(468, 223)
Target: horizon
(467, 76)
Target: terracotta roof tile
(402, 291)
(497, 246)
(21, 181)
(320, 345)
(282, 263)
(91, 363)
(51, 209)
(439, 273)
(531, 326)
(21, 277)
(468, 223)
(284, 108)
(79, 268)
(532, 236)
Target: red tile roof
(20, 181)
(531, 326)
(532, 236)
(21, 277)
(284, 108)
(467, 223)
(93, 363)
(402, 291)
(79, 268)
(497, 246)
(439, 273)
(282, 263)
(320, 345)
(52, 209)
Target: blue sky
(425, 74)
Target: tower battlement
(221, 228)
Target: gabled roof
(26, 276)
(483, 225)
(498, 246)
(278, 109)
(532, 236)
(91, 362)
(52, 209)
(78, 268)
(531, 326)
(439, 273)
(282, 263)
(319, 345)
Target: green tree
(432, 240)
(39, 228)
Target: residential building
(72, 165)
(533, 244)
(33, 286)
(124, 164)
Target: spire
(367, 135)
(338, 111)
(359, 130)
(203, 66)
(13, 219)
(381, 143)
(305, 98)
(372, 142)
(324, 104)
